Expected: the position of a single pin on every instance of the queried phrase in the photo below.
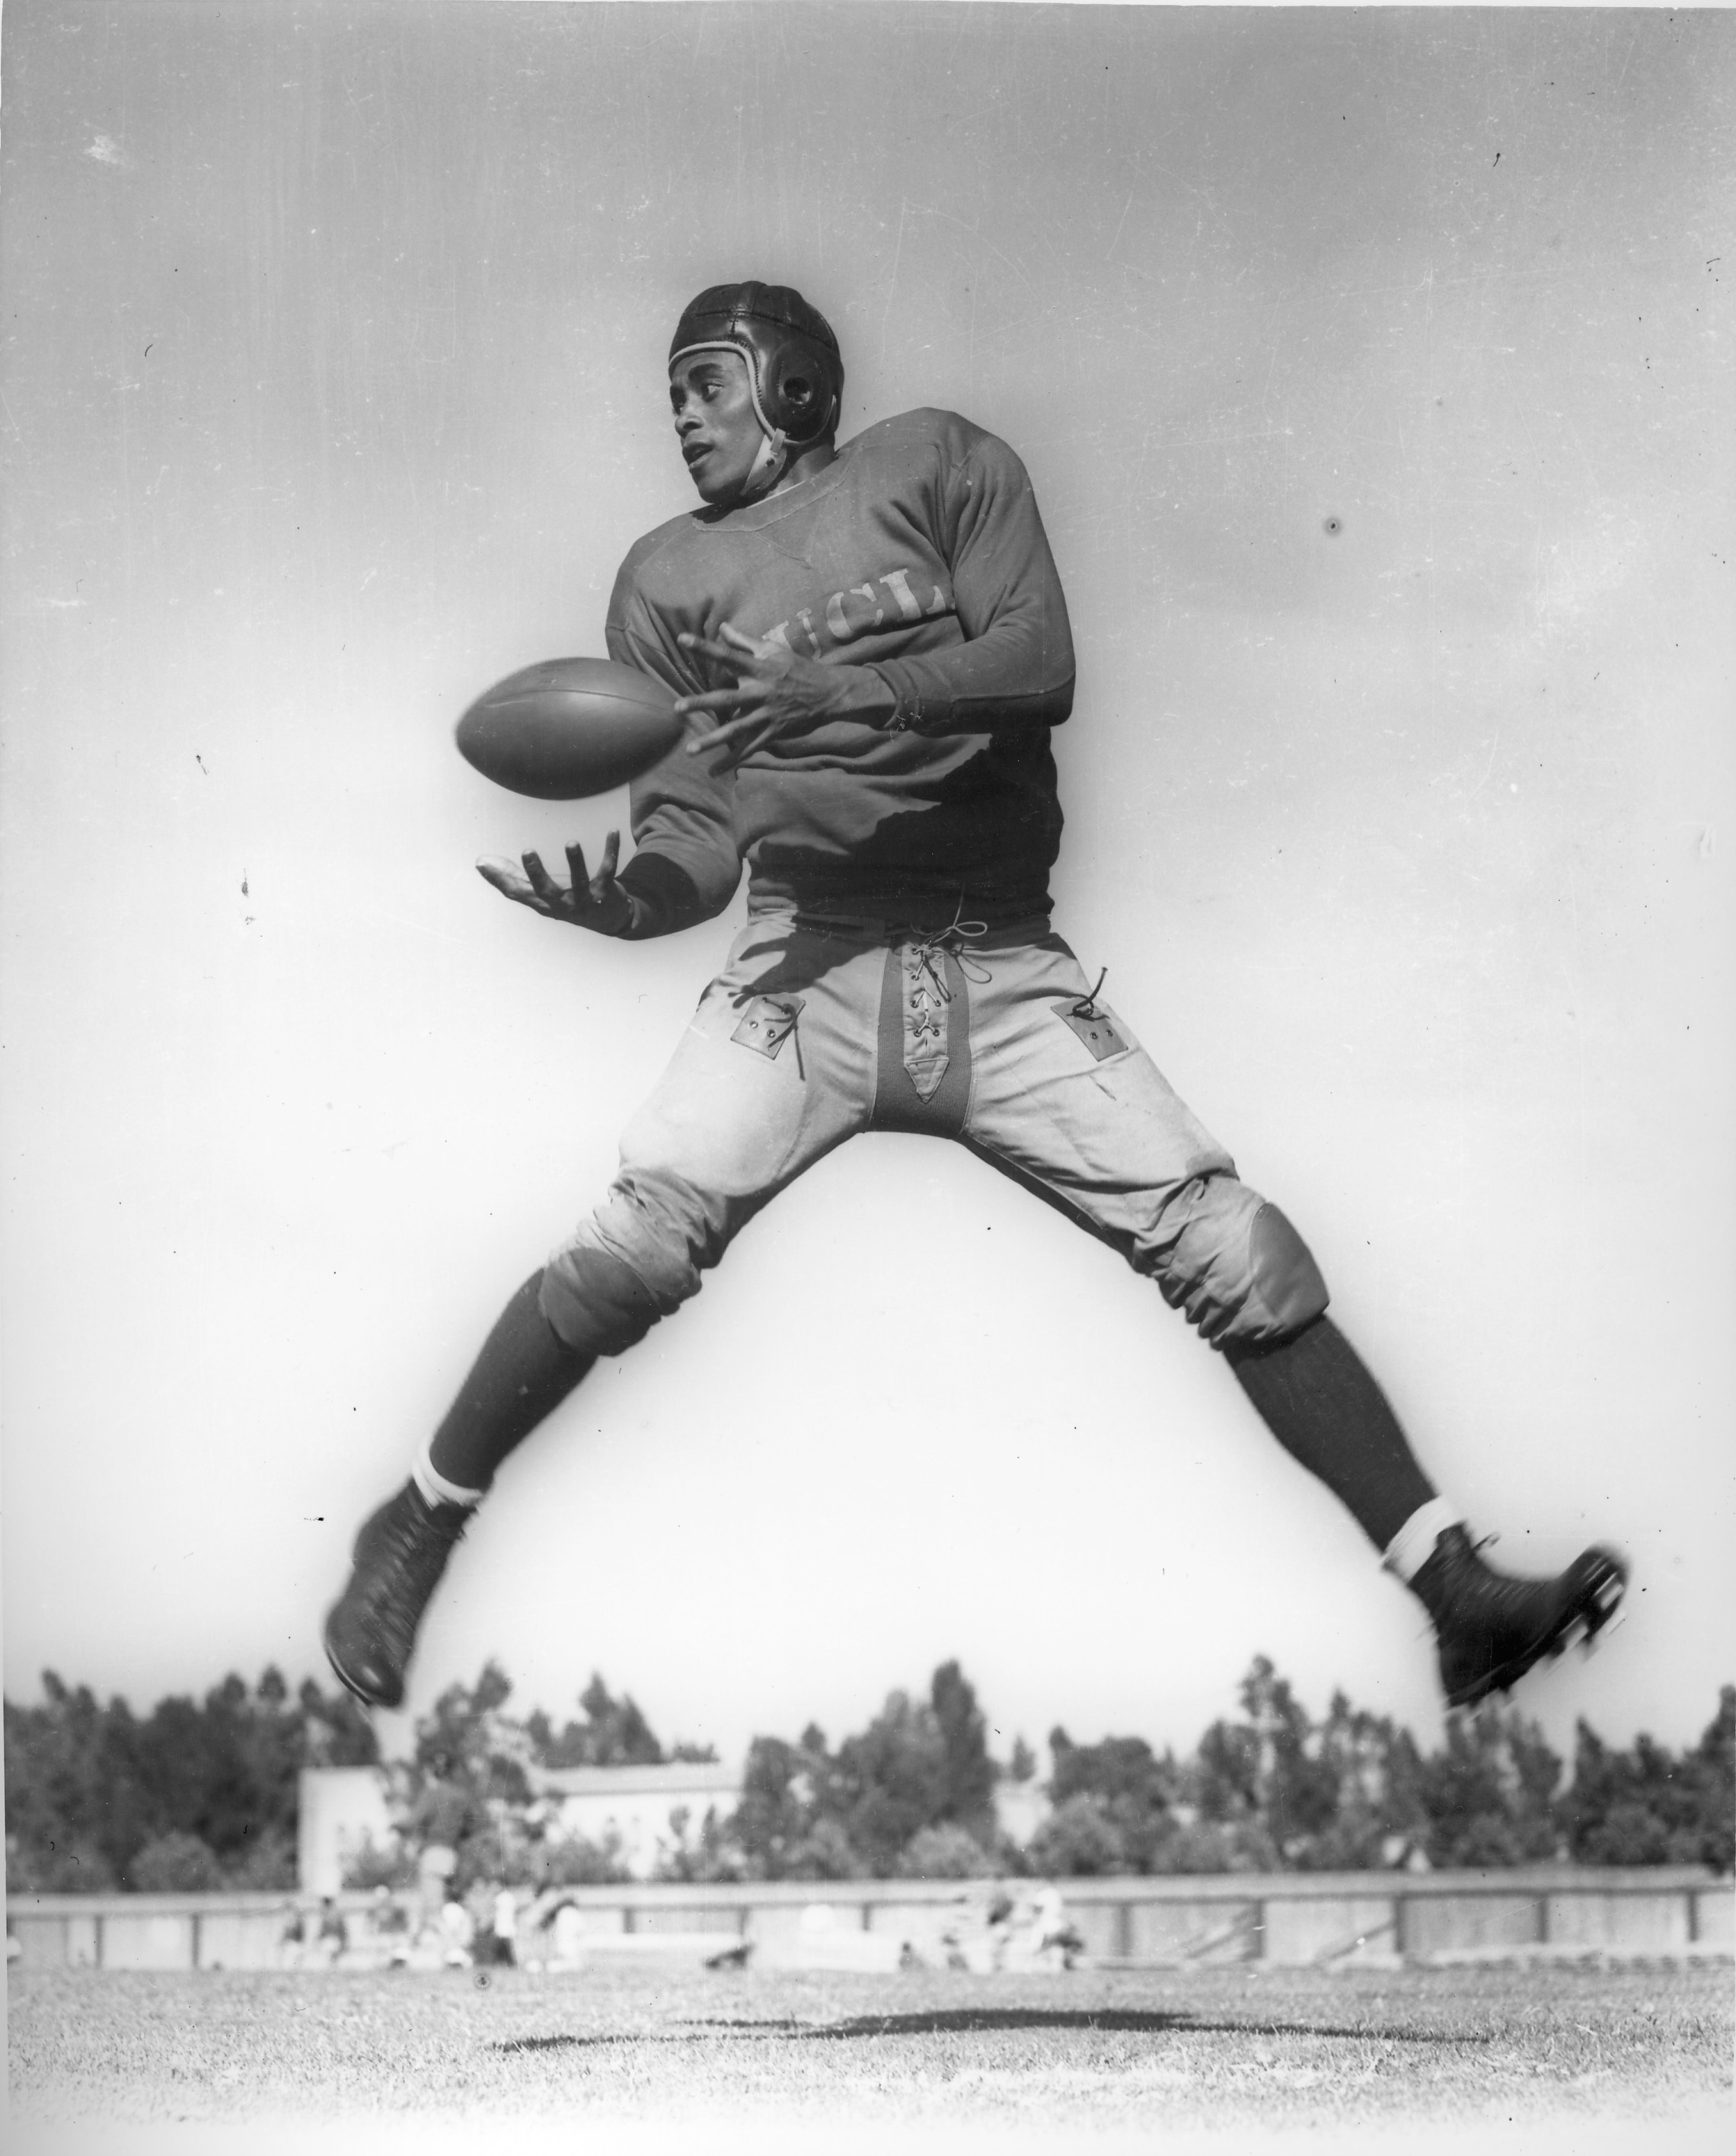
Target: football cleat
(400, 1554)
(1491, 1628)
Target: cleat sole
(357, 1689)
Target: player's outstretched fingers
(542, 883)
(727, 647)
(737, 737)
(601, 884)
(712, 709)
(504, 874)
(708, 647)
(597, 902)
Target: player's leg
(774, 1070)
(1066, 1100)
(521, 1376)
(1063, 1098)
(1319, 1400)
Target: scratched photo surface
(1372, 371)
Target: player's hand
(595, 901)
(776, 691)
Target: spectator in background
(443, 1819)
(333, 1937)
(292, 1940)
(458, 1932)
(1031, 1932)
(389, 1926)
(558, 1918)
(504, 1950)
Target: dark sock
(523, 1373)
(1316, 1396)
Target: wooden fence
(1292, 1918)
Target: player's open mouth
(695, 453)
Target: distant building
(342, 1808)
(1020, 1808)
(647, 1809)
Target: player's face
(715, 422)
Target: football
(568, 728)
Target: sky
(1372, 369)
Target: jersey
(917, 552)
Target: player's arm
(687, 864)
(1016, 668)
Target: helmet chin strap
(771, 461)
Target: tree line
(196, 1795)
(202, 1794)
(1272, 1790)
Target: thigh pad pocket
(767, 1022)
(1094, 1027)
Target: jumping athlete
(869, 645)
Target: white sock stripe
(435, 1487)
(1412, 1546)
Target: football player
(870, 646)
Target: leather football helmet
(794, 370)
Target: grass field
(113, 2062)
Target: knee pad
(594, 1303)
(634, 1260)
(1237, 1268)
(1286, 1281)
